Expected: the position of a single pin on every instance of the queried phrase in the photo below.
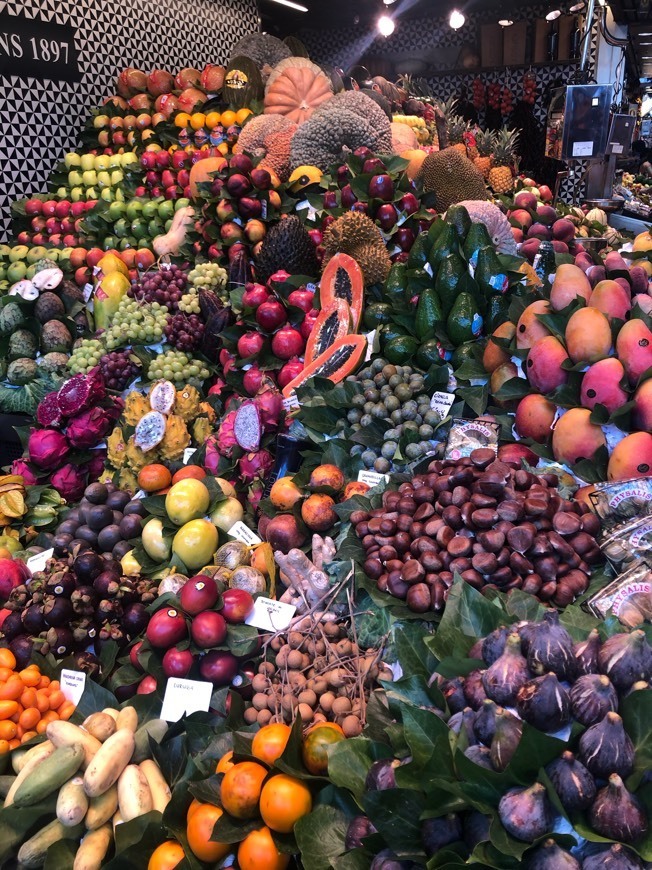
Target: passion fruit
(187, 500)
(195, 542)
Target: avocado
(377, 314)
(476, 238)
(489, 272)
(401, 349)
(463, 353)
(464, 322)
(449, 274)
(497, 312)
(395, 285)
(447, 243)
(429, 317)
(430, 353)
(389, 332)
(457, 216)
(418, 256)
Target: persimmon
(258, 852)
(283, 801)
(167, 856)
(199, 832)
(225, 763)
(269, 743)
(194, 806)
(240, 789)
(314, 750)
(195, 472)
(154, 477)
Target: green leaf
(320, 837)
(411, 651)
(142, 829)
(522, 606)
(349, 762)
(429, 740)
(475, 397)
(636, 710)
(395, 813)
(18, 824)
(94, 699)
(206, 790)
(171, 756)
(61, 855)
(468, 615)
(230, 830)
(242, 640)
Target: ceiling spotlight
(297, 6)
(389, 2)
(385, 25)
(505, 22)
(456, 20)
(577, 7)
(554, 11)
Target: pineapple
(456, 127)
(500, 178)
(485, 141)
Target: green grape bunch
(177, 367)
(136, 323)
(86, 355)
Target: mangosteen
(96, 493)
(135, 619)
(121, 549)
(88, 663)
(108, 610)
(135, 506)
(83, 600)
(118, 500)
(98, 517)
(12, 625)
(108, 633)
(84, 632)
(82, 507)
(78, 546)
(128, 592)
(107, 584)
(61, 584)
(85, 533)
(123, 693)
(60, 641)
(62, 542)
(57, 611)
(131, 527)
(108, 538)
(22, 646)
(88, 566)
(111, 487)
(34, 619)
(75, 516)
(67, 527)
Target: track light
(505, 22)
(389, 2)
(385, 25)
(553, 11)
(456, 19)
(296, 6)
(577, 7)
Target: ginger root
(306, 583)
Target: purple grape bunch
(118, 369)
(184, 331)
(165, 286)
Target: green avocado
(429, 316)
(430, 353)
(458, 217)
(418, 256)
(476, 238)
(377, 314)
(497, 312)
(435, 230)
(401, 349)
(395, 284)
(464, 322)
(447, 243)
(449, 274)
(463, 353)
(489, 272)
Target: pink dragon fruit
(47, 448)
(226, 439)
(48, 412)
(269, 403)
(96, 465)
(89, 428)
(19, 466)
(81, 391)
(212, 456)
(253, 465)
(255, 494)
(69, 481)
(247, 426)
(217, 387)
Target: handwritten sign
(38, 562)
(243, 533)
(38, 49)
(72, 685)
(291, 403)
(183, 697)
(269, 615)
(442, 403)
(371, 478)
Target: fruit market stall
(328, 544)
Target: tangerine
(212, 119)
(258, 852)
(315, 747)
(283, 801)
(269, 743)
(225, 763)
(182, 119)
(227, 118)
(7, 658)
(241, 115)
(195, 472)
(154, 477)
(199, 832)
(197, 120)
(241, 789)
(166, 856)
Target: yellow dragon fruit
(176, 438)
(209, 411)
(127, 480)
(136, 406)
(188, 403)
(201, 429)
(115, 448)
(136, 457)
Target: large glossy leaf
(411, 650)
(468, 616)
(17, 825)
(429, 740)
(395, 813)
(320, 837)
(349, 762)
(636, 711)
(94, 699)
(61, 855)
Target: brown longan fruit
(308, 697)
(326, 701)
(297, 680)
(276, 643)
(343, 647)
(320, 647)
(282, 657)
(331, 629)
(351, 726)
(295, 639)
(318, 717)
(264, 717)
(340, 706)
(260, 683)
(294, 660)
(259, 701)
(288, 703)
(266, 668)
(320, 686)
(306, 712)
(250, 715)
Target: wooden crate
(514, 44)
(491, 45)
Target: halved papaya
(332, 323)
(340, 360)
(343, 279)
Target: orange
(212, 119)
(241, 115)
(200, 830)
(241, 787)
(197, 120)
(153, 477)
(283, 801)
(193, 807)
(8, 709)
(189, 471)
(182, 119)
(225, 763)
(258, 852)
(7, 659)
(315, 747)
(270, 742)
(229, 117)
(166, 856)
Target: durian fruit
(175, 440)
(358, 236)
(452, 177)
(286, 246)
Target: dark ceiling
(637, 15)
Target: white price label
(371, 339)
(72, 685)
(582, 149)
(188, 453)
(372, 478)
(427, 268)
(38, 562)
(243, 533)
(87, 291)
(442, 403)
(269, 615)
(183, 697)
(291, 403)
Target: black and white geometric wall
(40, 119)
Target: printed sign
(291, 402)
(188, 453)
(183, 697)
(37, 49)
(269, 615)
(38, 562)
(243, 533)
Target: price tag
(372, 478)
(371, 339)
(269, 615)
(305, 205)
(243, 533)
(442, 403)
(291, 403)
(427, 268)
(37, 563)
(72, 685)
(183, 697)
(87, 291)
(188, 453)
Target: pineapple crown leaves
(447, 107)
(505, 147)
(485, 141)
(456, 127)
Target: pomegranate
(133, 656)
(308, 323)
(250, 344)
(197, 594)
(208, 629)
(254, 295)
(302, 299)
(253, 379)
(218, 666)
(289, 372)
(236, 605)
(270, 315)
(147, 685)
(177, 662)
(166, 628)
(287, 342)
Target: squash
(343, 279)
(338, 362)
(333, 322)
(596, 215)
(243, 83)
(295, 88)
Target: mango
(610, 298)
(631, 457)
(643, 301)
(634, 349)
(529, 328)
(642, 414)
(500, 376)
(569, 284)
(601, 385)
(624, 283)
(543, 366)
(643, 242)
(588, 336)
(583, 261)
(595, 274)
(494, 355)
(534, 417)
(575, 437)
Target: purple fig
(437, 833)
(507, 674)
(476, 829)
(550, 856)
(626, 658)
(586, 653)
(479, 755)
(551, 648)
(507, 736)
(474, 691)
(462, 722)
(616, 857)
(381, 775)
(572, 782)
(606, 748)
(592, 696)
(359, 827)
(453, 692)
(544, 703)
(618, 814)
(526, 812)
(493, 646)
(485, 721)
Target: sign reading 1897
(38, 49)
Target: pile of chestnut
(495, 524)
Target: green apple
(72, 159)
(116, 177)
(168, 224)
(64, 257)
(103, 178)
(121, 227)
(115, 161)
(155, 228)
(126, 243)
(110, 242)
(37, 253)
(119, 194)
(116, 211)
(31, 271)
(107, 194)
(62, 193)
(77, 194)
(87, 161)
(166, 209)
(16, 272)
(129, 158)
(102, 162)
(89, 178)
(150, 209)
(134, 209)
(18, 252)
(5, 250)
(181, 203)
(3, 273)
(75, 178)
(91, 193)
(139, 228)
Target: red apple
(49, 208)
(33, 206)
(386, 216)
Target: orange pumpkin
(295, 88)
(201, 172)
(416, 157)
